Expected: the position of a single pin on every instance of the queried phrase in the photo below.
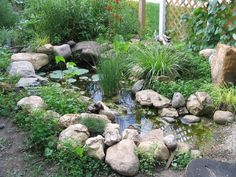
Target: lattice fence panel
(175, 9)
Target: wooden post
(162, 17)
(142, 13)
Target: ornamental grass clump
(155, 60)
(110, 76)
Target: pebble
(2, 126)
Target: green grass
(110, 76)
(152, 16)
(94, 125)
(61, 100)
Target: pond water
(135, 117)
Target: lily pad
(71, 80)
(95, 78)
(77, 71)
(56, 75)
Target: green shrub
(65, 20)
(74, 164)
(110, 76)
(147, 161)
(181, 161)
(156, 60)
(211, 25)
(95, 126)
(4, 59)
(62, 101)
(8, 37)
(8, 17)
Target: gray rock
(122, 159)
(169, 119)
(71, 43)
(87, 50)
(31, 82)
(169, 112)
(190, 119)
(210, 168)
(170, 142)
(223, 117)
(63, 50)
(200, 103)
(183, 111)
(178, 100)
(138, 86)
(22, 69)
(2, 126)
(38, 60)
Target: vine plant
(213, 23)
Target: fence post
(162, 17)
(142, 13)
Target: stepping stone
(210, 168)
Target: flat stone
(210, 168)
(190, 119)
(169, 119)
(138, 86)
(169, 112)
(31, 82)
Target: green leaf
(79, 151)
(60, 59)
(234, 36)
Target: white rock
(121, 157)
(22, 69)
(112, 134)
(190, 119)
(96, 147)
(131, 134)
(38, 60)
(170, 142)
(199, 103)
(31, 103)
(206, 53)
(223, 117)
(75, 135)
(169, 112)
(68, 119)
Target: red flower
(108, 8)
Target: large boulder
(206, 53)
(63, 50)
(87, 50)
(22, 69)
(38, 60)
(223, 117)
(152, 98)
(112, 134)
(223, 65)
(199, 103)
(31, 103)
(75, 135)
(121, 157)
(96, 147)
